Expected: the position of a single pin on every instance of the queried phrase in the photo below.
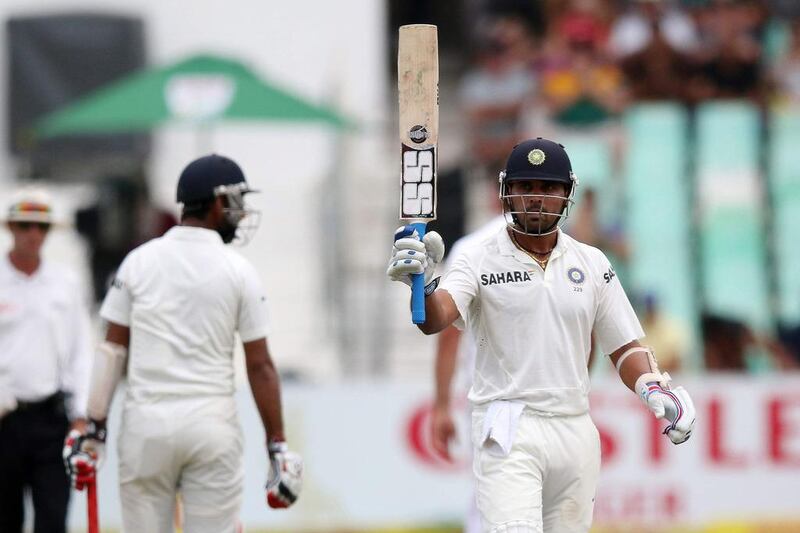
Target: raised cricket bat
(418, 89)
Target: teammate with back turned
(173, 312)
(531, 297)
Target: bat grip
(91, 504)
(418, 284)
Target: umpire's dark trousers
(31, 440)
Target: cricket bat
(91, 505)
(418, 91)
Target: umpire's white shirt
(533, 327)
(45, 337)
(184, 296)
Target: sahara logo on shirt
(515, 276)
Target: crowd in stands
(572, 67)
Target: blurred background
(682, 119)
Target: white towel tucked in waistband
(500, 426)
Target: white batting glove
(412, 256)
(286, 476)
(671, 404)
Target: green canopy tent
(200, 90)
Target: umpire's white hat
(31, 204)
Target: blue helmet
(213, 176)
(201, 178)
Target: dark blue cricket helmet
(214, 176)
(202, 178)
(537, 159)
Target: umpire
(45, 361)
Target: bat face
(418, 89)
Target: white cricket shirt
(184, 296)
(45, 337)
(533, 327)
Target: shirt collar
(192, 233)
(507, 246)
(561, 245)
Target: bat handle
(418, 285)
(91, 504)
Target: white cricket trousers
(191, 445)
(546, 483)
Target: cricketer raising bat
(418, 89)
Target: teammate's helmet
(200, 179)
(213, 176)
(537, 159)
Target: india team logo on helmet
(536, 157)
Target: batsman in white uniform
(530, 297)
(173, 313)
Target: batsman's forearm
(632, 368)
(440, 312)
(266, 388)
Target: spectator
(665, 335)
(495, 90)
(730, 52)
(654, 43)
(581, 91)
(785, 74)
(730, 345)
(579, 85)
(647, 20)
(789, 336)
(587, 227)
(724, 343)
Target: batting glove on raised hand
(285, 477)
(412, 256)
(671, 404)
(84, 454)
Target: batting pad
(109, 364)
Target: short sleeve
(461, 283)
(118, 301)
(253, 319)
(615, 324)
